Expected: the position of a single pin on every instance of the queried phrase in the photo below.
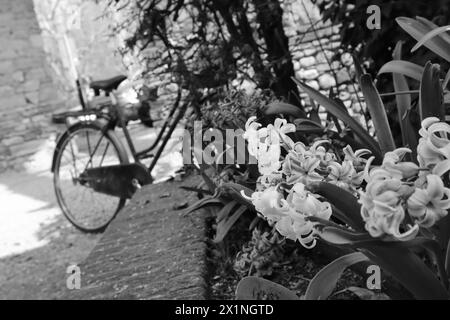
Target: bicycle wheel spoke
(73, 158)
(92, 154)
(104, 154)
(88, 144)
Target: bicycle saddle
(107, 85)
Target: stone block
(6, 91)
(36, 41)
(310, 51)
(8, 142)
(343, 76)
(12, 102)
(310, 74)
(7, 53)
(326, 81)
(344, 95)
(29, 86)
(18, 76)
(32, 97)
(324, 56)
(4, 150)
(27, 148)
(307, 62)
(47, 94)
(6, 67)
(323, 67)
(313, 84)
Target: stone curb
(150, 251)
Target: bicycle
(92, 174)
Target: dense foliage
(355, 34)
(211, 43)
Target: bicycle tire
(122, 158)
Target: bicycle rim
(86, 147)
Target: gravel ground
(37, 243)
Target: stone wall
(27, 93)
(313, 46)
(78, 42)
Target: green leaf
(405, 68)
(198, 190)
(407, 268)
(209, 200)
(277, 108)
(224, 226)
(418, 29)
(341, 236)
(306, 123)
(446, 80)
(324, 282)
(254, 288)
(431, 96)
(365, 294)
(335, 109)
(433, 26)
(430, 35)
(314, 113)
(234, 191)
(343, 200)
(409, 136)
(378, 114)
(225, 211)
(358, 68)
(447, 258)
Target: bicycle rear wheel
(86, 145)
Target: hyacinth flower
(434, 144)
(278, 132)
(268, 180)
(304, 202)
(299, 168)
(303, 164)
(392, 162)
(429, 205)
(344, 175)
(289, 215)
(299, 205)
(268, 158)
(356, 157)
(296, 228)
(392, 166)
(382, 206)
(252, 136)
(268, 203)
(316, 150)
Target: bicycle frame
(171, 125)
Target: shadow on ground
(37, 243)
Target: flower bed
(339, 185)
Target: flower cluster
(289, 213)
(288, 209)
(397, 197)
